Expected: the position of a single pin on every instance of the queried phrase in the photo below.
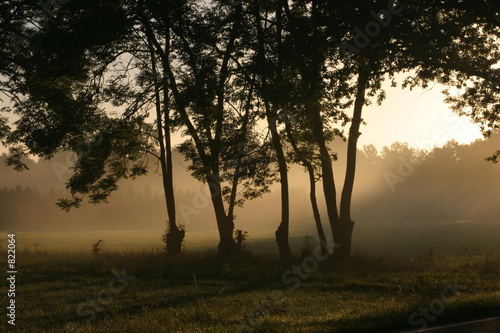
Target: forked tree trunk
(175, 236)
(227, 246)
(346, 225)
(343, 241)
(328, 180)
(312, 84)
(312, 184)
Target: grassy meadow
(131, 286)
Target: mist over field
(200, 166)
(396, 189)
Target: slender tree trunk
(328, 180)
(283, 229)
(312, 186)
(175, 236)
(227, 246)
(271, 115)
(210, 160)
(313, 83)
(236, 178)
(243, 136)
(346, 225)
(315, 209)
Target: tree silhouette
(212, 70)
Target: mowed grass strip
(199, 293)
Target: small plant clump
(432, 253)
(241, 239)
(96, 248)
(307, 247)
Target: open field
(131, 286)
(453, 238)
(200, 294)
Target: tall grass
(198, 292)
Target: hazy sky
(419, 117)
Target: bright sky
(419, 117)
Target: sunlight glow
(419, 117)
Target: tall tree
(272, 96)
(395, 45)
(309, 46)
(78, 62)
(305, 155)
(175, 235)
(214, 101)
(458, 53)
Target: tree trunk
(328, 180)
(314, 109)
(175, 236)
(312, 185)
(310, 66)
(346, 225)
(283, 229)
(314, 205)
(343, 241)
(227, 246)
(282, 241)
(271, 115)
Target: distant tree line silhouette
(446, 184)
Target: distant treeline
(452, 183)
(397, 185)
(27, 208)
